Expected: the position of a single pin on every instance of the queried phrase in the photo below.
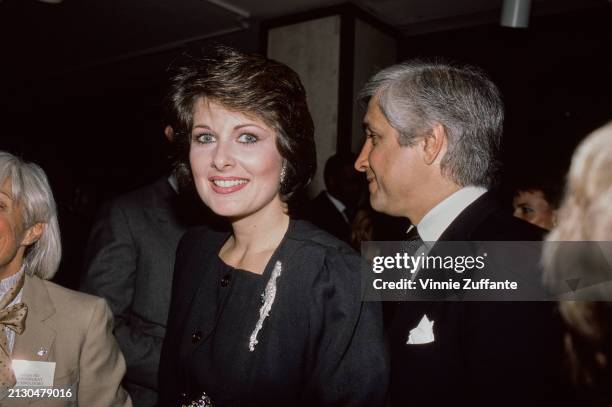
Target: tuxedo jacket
(484, 353)
(130, 262)
(74, 330)
(322, 213)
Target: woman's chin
(230, 212)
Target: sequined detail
(203, 401)
(268, 299)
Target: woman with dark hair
(269, 313)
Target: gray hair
(31, 190)
(415, 96)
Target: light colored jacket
(74, 330)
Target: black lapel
(470, 218)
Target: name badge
(31, 373)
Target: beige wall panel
(312, 49)
(374, 50)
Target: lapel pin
(41, 352)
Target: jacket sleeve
(101, 363)
(351, 367)
(111, 261)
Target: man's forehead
(373, 114)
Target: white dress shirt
(339, 205)
(439, 218)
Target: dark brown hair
(250, 84)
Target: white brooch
(268, 299)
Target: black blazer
(484, 354)
(320, 345)
(130, 261)
(322, 213)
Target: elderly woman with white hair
(49, 336)
(579, 249)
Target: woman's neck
(255, 238)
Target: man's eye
(526, 210)
(204, 138)
(373, 138)
(247, 138)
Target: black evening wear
(319, 344)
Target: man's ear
(33, 234)
(434, 144)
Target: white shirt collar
(339, 205)
(435, 222)
(173, 183)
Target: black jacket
(322, 213)
(484, 353)
(320, 345)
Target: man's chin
(376, 204)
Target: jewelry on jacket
(203, 401)
(268, 299)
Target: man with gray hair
(433, 133)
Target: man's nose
(361, 163)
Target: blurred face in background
(533, 207)
(234, 161)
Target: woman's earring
(283, 174)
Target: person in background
(586, 216)
(269, 313)
(333, 210)
(67, 332)
(129, 261)
(537, 203)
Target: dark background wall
(555, 76)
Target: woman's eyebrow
(240, 126)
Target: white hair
(30, 190)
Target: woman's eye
(247, 138)
(526, 210)
(204, 138)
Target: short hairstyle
(415, 95)
(551, 190)
(335, 163)
(585, 215)
(250, 84)
(30, 190)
